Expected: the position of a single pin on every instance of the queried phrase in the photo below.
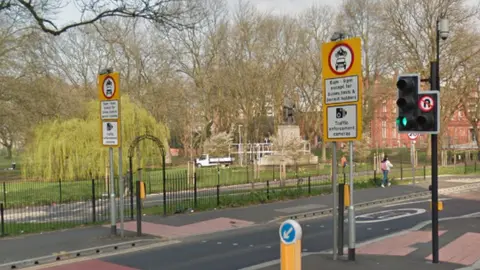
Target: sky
(71, 13)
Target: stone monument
(287, 132)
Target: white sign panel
(109, 109)
(110, 133)
(108, 87)
(340, 90)
(341, 59)
(342, 122)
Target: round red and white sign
(341, 59)
(426, 103)
(108, 87)
(412, 136)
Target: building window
(384, 129)
(459, 115)
(394, 132)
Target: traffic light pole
(435, 85)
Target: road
(245, 247)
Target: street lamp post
(240, 148)
(441, 32)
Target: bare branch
(177, 14)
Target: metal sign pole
(121, 186)
(412, 152)
(351, 212)
(335, 200)
(113, 222)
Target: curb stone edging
(369, 204)
(77, 254)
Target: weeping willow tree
(71, 149)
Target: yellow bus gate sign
(109, 96)
(342, 90)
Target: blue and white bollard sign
(290, 247)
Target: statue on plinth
(288, 112)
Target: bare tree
(410, 28)
(316, 27)
(168, 13)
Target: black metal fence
(27, 206)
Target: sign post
(290, 245)
(412, 137)
(109, 96)
(342, 113)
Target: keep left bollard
(291, 245)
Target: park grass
(23, 193)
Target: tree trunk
(324, 152)
(9, 151)
(429, 148)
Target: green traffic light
(402, 120)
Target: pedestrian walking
(386, 166)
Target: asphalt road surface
(245, 247)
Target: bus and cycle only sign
(342, 81)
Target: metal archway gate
(131, 152)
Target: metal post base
(351, 254)
(113, 230)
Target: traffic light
(428, 117)
(408, 86)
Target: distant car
(340, 63)
(206, 161)
(109, 88)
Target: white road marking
(413, 202)
(418, 211)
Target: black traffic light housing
(418, 111)
(428, 116)
(408, 86)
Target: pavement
(224, 239)
(412, 249)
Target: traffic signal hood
(407, 102)
(428, 118)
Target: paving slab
(365, 262)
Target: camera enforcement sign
(342, 95)
(110, 116)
